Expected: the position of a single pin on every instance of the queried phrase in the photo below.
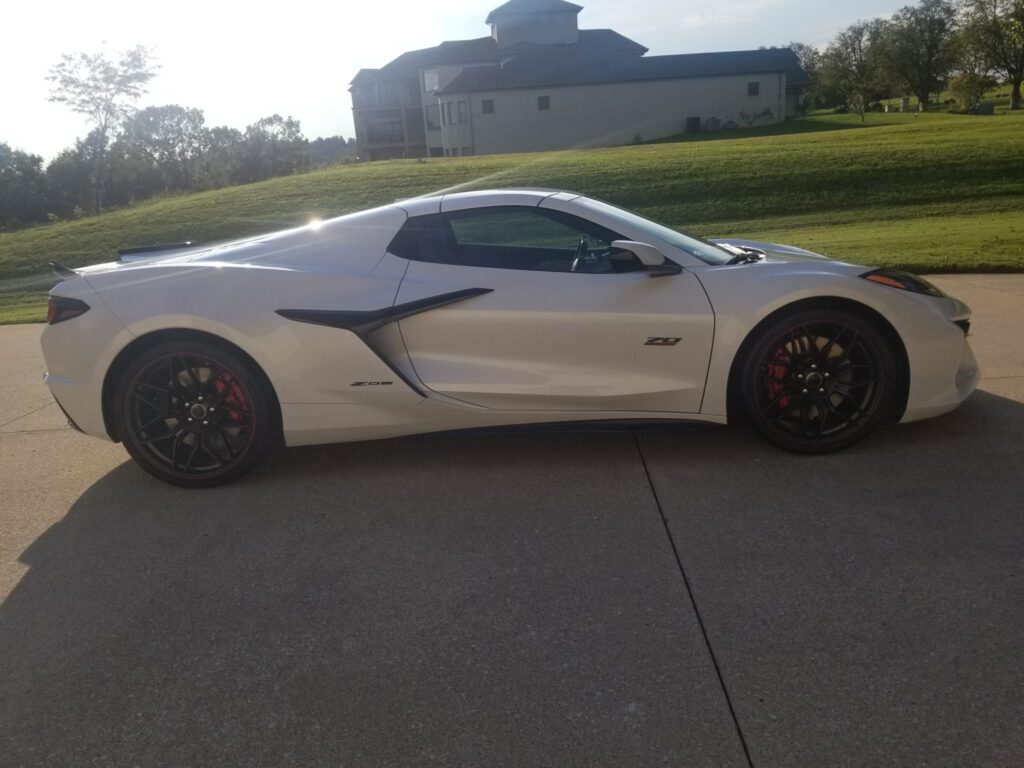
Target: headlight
(905, 281)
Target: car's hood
(773, 251)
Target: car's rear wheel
(193, 413)
(818, 380)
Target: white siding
(615, 113)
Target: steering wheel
(581, 254)
(592, 261)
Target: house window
(436, 152)
(463, 112)
(543, 103)
(449, 109)
(487, 106)
(430, 81)
(384, 127)
(467, 151)
(754, 89)
(433, 117)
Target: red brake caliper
(777, 374)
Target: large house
(539, 82)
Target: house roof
(557, 66)
(532, 6)
(482, 50)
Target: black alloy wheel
(818, 381)
(193, 414)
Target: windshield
(707, 252)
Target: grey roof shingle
(483, 49)
(532, 6)
(548, 66)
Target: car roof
(481, 198)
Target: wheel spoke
(230, 409)
(174, 450)
(191, 456)
(150, 423)
(156, 406)
(227, 444)
(856, 406)
(830, 345)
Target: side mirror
(654, 261)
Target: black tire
(194, 413)
(818, 381)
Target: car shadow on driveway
(514, 600)
(442, 600)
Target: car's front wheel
(193, 413)
(818, 380)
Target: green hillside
(929, 192)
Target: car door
(538, 322)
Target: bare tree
(103, 90)
(995, 29)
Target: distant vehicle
(480, 309)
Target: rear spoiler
(142, 252)
(61, 271)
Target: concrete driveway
(685, 596)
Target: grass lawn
(931, 192)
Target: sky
(239, 62)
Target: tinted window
(513, 237)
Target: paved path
(685, 597)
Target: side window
(513, 237)
(515, 228)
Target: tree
(968, 88)
(810, 62)
(995, 29)
(221, 164)
(919, 46)
(850, 65)
(23, 198)
(331, 149)
(273, 146)
(168, 142)
(71, 176)
(103, 90)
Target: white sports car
(481, 309)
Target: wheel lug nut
(814, 367)
(200, 398)
(822, 390)
(805, 392)
(827, 375)
(190, 418)
(206, 422)
(799, 375)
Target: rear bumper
(71, 422)
(78, 354)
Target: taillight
(62, 308)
